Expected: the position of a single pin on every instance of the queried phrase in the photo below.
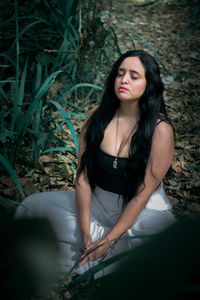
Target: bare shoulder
(164, 130)
(163, 138)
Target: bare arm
(83, 198)
(158, 164)
(83, 191)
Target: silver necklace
(115, 162)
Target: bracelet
(109, 243)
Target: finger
(88, 256)
(91, 247)
(93, 252)
(84, 260)
(88, 242)
(84, 249)
(83, 255)
(87, 252)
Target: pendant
(115, 163)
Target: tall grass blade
(74, 71)
(90, 273)
(7, 57)
(7, 81)
(37, 119)
(67, 149)
(79, 108)
(68, 9)
(116, 41)
(20, 34)
(3, 95)
(61, 55)
(4, 200)
(46, 85)
(31, 25)
(150, 47)
(105, 263)
(21, 91)
(36, 132)
(78, 115)
(17, 48)
(14, 100)
(10, 170)
(132, 42)
(146, 4)
(98, 87)
(32, 107)
(4, 132)
(48, 140)
(74, 31)
(69, 123)
(38, 78)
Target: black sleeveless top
(108, 178)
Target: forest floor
(169, 27)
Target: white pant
(106, 207)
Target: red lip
(122, 89)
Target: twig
(80, 25)
(54, 50)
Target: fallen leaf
(176, 167)
(45, 158)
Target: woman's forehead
(133, 64)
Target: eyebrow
(132, 71)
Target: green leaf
(105, 263)
(5, 133)
(9, 200)
(43, 59)
(150, 47)
(94, 86)
(114, 36)
(3, 94)
(10, 170)
(31, 25)
(36, 132)
(46, 85)
(146, 3)
(8, 58)
(32, 107)
(21, 93)
(69, 123)
(70, 149)
(38, 77)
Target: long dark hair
(152, 109)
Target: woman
(126, 148)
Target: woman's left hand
(94, 251)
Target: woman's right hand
(87, 241)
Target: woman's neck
(129, 110)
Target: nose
(125, 78)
